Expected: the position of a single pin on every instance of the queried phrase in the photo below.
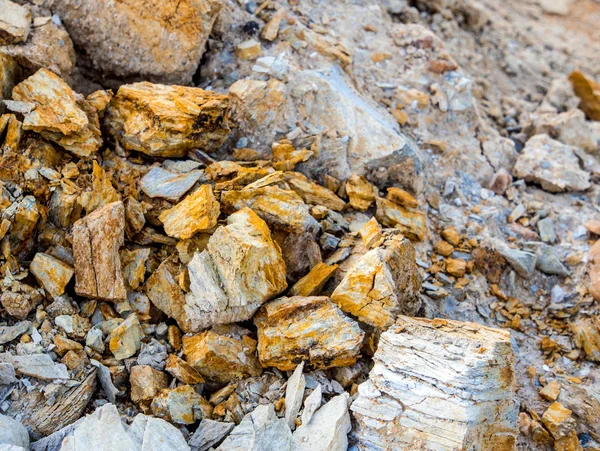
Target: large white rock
(13, 433)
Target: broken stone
(106, 382)
(551, 164)
(586, 333)
(456, 267)
(558, 420)
(222, 354)
(546, 228)
(310, 329)
(146, 383)
(59, 116)
(548, 262)
(168, 185)
(7, 374)
(241, 269)
(408, 400)
(15, 23)
(102, 193)
(500, 182)
(551, 391)
(294, 393)
(40, 366)
(588, 92)
(371, 233)
(382, 284)
(51, 273)
(167, 121)
(183, 371)
(311, 404)
(133, 265)
(181, 405)
(360, 192)
(153, 353)
(312, 284)
(523, 262)
(410, 223)
(313, 193)
(197, 212)
(401, 197)
(124, 340)
(13, 433)
(209, 434)
(249, 50)
(10, 333)
(96, 242)
(271, 29)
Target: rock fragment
(409, 400)
(586, 333)
(209, 434)
(550, 391)
(312, 284)
(164, 184)
(15, 23)
(40, 366)
(558, 420)
(146, 382)
(271, 29)
(165, 293)
(167, 121)
(588, 92)
(181, 405)
(96, 242)
(294, 393)
(310, 329)
(51, 273)
(10, 333)
(311, 404)
(312, 193)
(183, 371)
(411, 223)
(360, 192)
(197, 212)
(401, 197)
(13, 433)
(125, 339)
(523, 262)
(382, 284)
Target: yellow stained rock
(361, 193)
(286, 157)
(199, 211)
(60, 114)
(312, 283)
(586, 333)
(382, 284)
(248, 50)
(456, 267)
(558, 420)
(371, 233)
(313, 193)
(412, 224)
(551, 391)
(167, 121)
(451, 236)
(443, 248)
(125, 339)
(271, 29)
(183, 371)
(588, 92)
(51, 273)
(102, 193)
(181, 405)
(401, 197)
(310, 329)
(146, 382)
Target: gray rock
(106, 381)
(168, 185)
(95, 340)
(13, 433)
(293, 395)
(53, 442)
(154, 434)
(549, 263)
(40, 366)
(328, 429)
(154, 354)
(9, 333)
(7, 374)
(546, 228)
(523, 262)
(311, 404)
(210, 433)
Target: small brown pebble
(443, 248)
(451, 235)
(550, 391)
(456, 267)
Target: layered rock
(438, 384)
(165, 293)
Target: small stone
(551, 391)
(312, 193)
(181, 405)
(451, 236)
(558, 7)
(75, 326)
(133, 264)
(7, 374)
(64, 345)
(586, 333)
(371, 233)
(125, 339)
(523, 262)
(165, 293)
(153, 353)
(569, 443)
(294, 394)
(500, 182)
(517, 213)
(19, 304)
(10, 333)
(360, 192)
(183, 371)
(249, 50)
(15, 23)
(51, 273)
(558, 420)
(401, 197)
(443, 248)
(411, 223)
(164, 184)
(587, 90)
(546, 228)
(197, 212)
(548, 262)
(209, 434)
(311, 404)
(456, 267)
(312, 284)
(271, 29)
(13, 432)
(146, 383)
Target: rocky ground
(301, 225)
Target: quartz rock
(181, 405)
(15, 23)
(13, 432)
(259, 430)
(551, 164)
(209, 434)
(312, 284)
(146, 383)
(124, 340)
(586, 333)
(10, 333)
(328, 428)
(51, 273)
(159, 182)
(183, 371)
(60, 115)
(240, 269)
(411, 223)
(166, 294)
(409, 400)
(310, 329)
(40, 366)
(167, 121)
(222, 354)
(382, 284)
(313, 193)
(167, 40)
(294, 393)
(197, 212)
(96, 242)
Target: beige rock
(401, 197)
(240, 269)
(558, 420)
(8, 72)
(443, 248)
(21, 303)
(551, 391)
(125, 339)
(411, 223)
(568, 443)
(51, 273)
(102, 193)
(586, 333)
(96, 242)
(382, 284)
(146, 382)
(312, 193)
(271, 29)
(456, 267)
(167, 121)
(15, 22)
(371, 233)
(133, 263)
(360, 192)
(438, 385)
(310, 329)
(249, 50)
(183, 371)
(181, 405)
(312, 284)
(167, 38)
(588, 92)
(197, 212)
(222, 354)
(60, 115)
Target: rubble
(159, 182)
(51, 273)
(124, 340)
(181, 405)
(209, 433)
(15, 24)
(146, 383)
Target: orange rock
(312, 193)
(586, 333)
(588, 92)
(412, 224)
(443, 248)
(182, 371)
(181, 405)
(146, 382)
(558, 420)
(551, 391)
(593, 226)
(371, 233)
(451, 236)
(271, 29)
(401, 197)
(361, 193)
(456, 267)
(51, 273)
(312, 283)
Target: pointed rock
(209, 434)
(328, 428)
(311, 404)
(294, 393)
(51, 273)
(125, 339)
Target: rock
(548, 262)
(311, 404)
(165, 293)
(249, 50)
(294, 393)
(146, 383)
(500, 182)
(558, 420)
(360, 192)
(312, 284)
(259, 430)
(281, 209)
(133, 264)
(401, 197)
(75, 326)
(15, 23)
(559, 7)
(588, 92)
(164, 184)
(382, 284)
(523, 262)
(546, 228)
(111, 32)
(271, 29)
(60, 115)
(167, 121)
(569, 128)
(310, 329)
(551, 391)
(10, 333)
(183, 371)
(371, 233)
(106, 381)
(102, 193)
(551, 164)
(328, 429)
(240, 270)
(51, 273)
(7, 374)
(124, 340)
(96, 242)
(209, 434)
(456, 267)
(13, 433)
(408, 399)
(222, 354)
(411, 223)
(586, 333)
(40, 366)
(181, 405)
(313, 193)
(196, 213)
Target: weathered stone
(124, 340)
(183, 371)
(294, 393)
(75, 326)
(153, 353)
(549, 263)
(209, 434)
(312, 284)
(13, 432)
(166, 294)
(409, 400)
(551, 391)
(222, 354)
(64, 345)
(588, 92)
(196, 213)
(411, 223)
(15, 23)
(456, 267)
(133, 264)
(241, 269)
(146, 383)
(586, 333)
(102, 193)
(310, 329)
(105, 378)
(10, 333)
(523, 262)
(551, 164)
(181, 405)
(382, 284)
(248, 50)
(96, 242)
(501, 181)
(558, 420)
(164, 184)
(569, 128)
(51, 273)
(401, 197)
(60, 115)
(360, 192)
(313, 193)
(311, 404)
(7, 374)
(167, 121)
(271, 29)
(40, 366)
(371, 233)
(546, 228)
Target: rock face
(167, 121)
(438, 384)
(197, 212)
(310, 329)
(162, 41)
(382, 284)
(60, 115)
(551, 164)
(240, 270)
(96, 242)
